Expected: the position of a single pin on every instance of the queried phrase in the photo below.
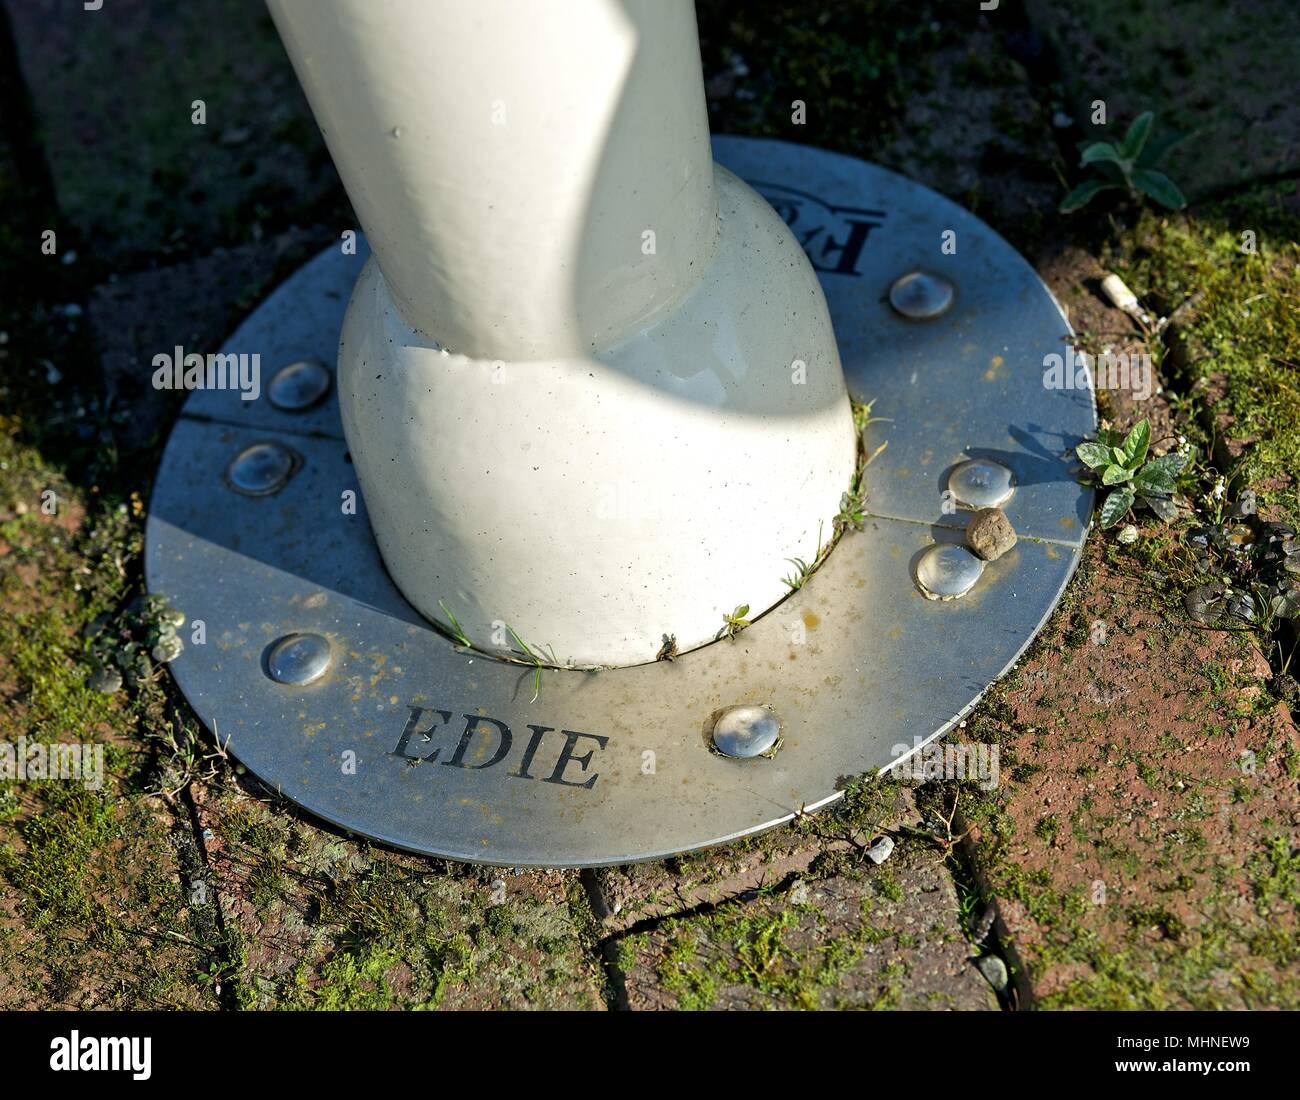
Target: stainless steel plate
(406, 739)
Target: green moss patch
(1242, 340)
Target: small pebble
(990, 533)
(981, 930)
(106, 680)
(1128, 535)
(799, 893)
(994, 971)
(881, 850)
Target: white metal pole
(588, 380)
(501, 154)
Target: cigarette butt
(1120, 296)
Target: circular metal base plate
(406, 739)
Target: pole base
(327, 685)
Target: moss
(1158, 917)
(45, 654)
(766, 951)
(1161, 962)
(1245, 330)
(394, 936)
(588, 934)
(54, 872)
(351, 980)
(887, 886)
(1078, 633)
(1275, 877)
(681, 973)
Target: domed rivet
(261, 469)
(746, 731)
(299, 385)
(947, 571)
(982, 483)
(920, 296)
(299, 659)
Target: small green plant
(852, 515)
(734, 623)
(186, 758)
(853, 510)
(1120, 463)
(802, 569)
(535, 656)
(455, 630)
(862, 418)
(801, 572)
(1129, 165)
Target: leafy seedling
(1128, 165)
(853, 511)
(1120, 463)
(734, 623)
